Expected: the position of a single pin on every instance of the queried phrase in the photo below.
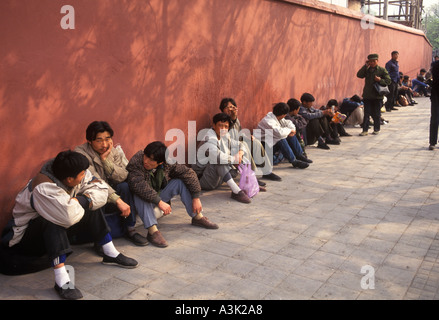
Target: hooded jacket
(48, 197)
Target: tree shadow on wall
(143, 66)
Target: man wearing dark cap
(373, 101)
(392, 68)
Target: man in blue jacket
(392, 68)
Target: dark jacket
(435, 74)
(392, 68)
(139, 179)
(369, 74)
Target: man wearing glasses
(109, 164)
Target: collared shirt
(392, 67)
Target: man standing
(434, 118)
(392, 68)
(373, 101)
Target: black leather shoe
(304, 159)
(272, 176)
(300, 164)
(261, 183)
(137, 239)
(69, 293)
(121, 261)
(323, 145)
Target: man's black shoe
(121, 261)
(323, 145)
(304, 159)
(261, 183)
(137, 239)
(332, 141)
(300, 164)
(272, 176)
(69, 293)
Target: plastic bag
(248, 182)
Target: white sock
(110, 250)
(61, 276)
(232, 184)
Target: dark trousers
(46, 238)
(317, 128)
(391, 97)
(434, 118)
(116, 222)
(372, 108)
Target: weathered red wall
(149, 66)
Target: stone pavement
(361, 222)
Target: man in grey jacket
(109, 164)
(318, 126)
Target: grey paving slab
(371, 202)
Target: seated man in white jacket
(279, 135)
(62, 202)
(216, 155)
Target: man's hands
(123, 207)
(238, 157)
(166, 208)
(196, 205)
(106, 153)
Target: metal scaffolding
(406, 12)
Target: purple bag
(248, 182)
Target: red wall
(149, 66)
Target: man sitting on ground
(216, 155)
(353, 109)
(109, 164)
(299, 122)
(318, 126)
(61, 203)
(279, 135)
(154, 182)
(229, 107)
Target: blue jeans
(145, 209)
(289, 147)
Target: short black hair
(356, 98)
(225, 101)
(332, 102)
(97, 127)
(280, 109)
(156, 151)
(222, 117)
(69, 164)
(307, 97)
(294, 104)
